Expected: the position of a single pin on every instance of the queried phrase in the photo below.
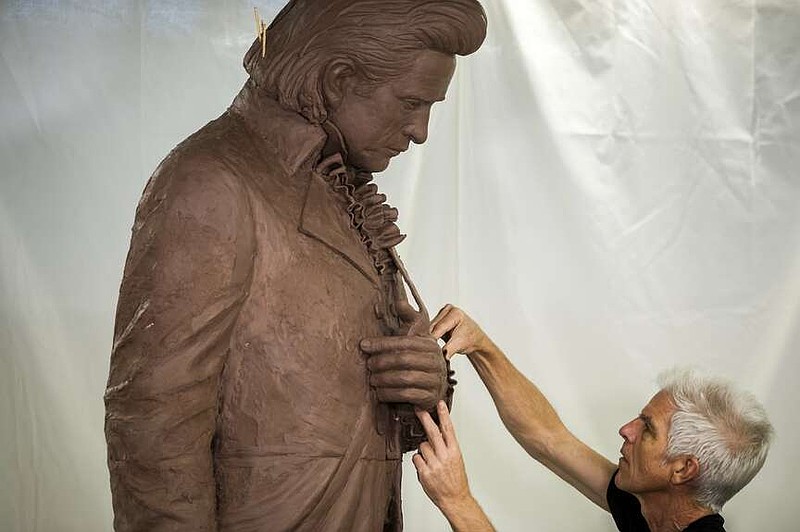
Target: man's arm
(440, 469)
(184, 282)
(524, 410)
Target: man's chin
(620, 481)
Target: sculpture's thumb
(417, 321)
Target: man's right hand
(460, 332)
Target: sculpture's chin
(373, 162)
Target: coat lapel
(324, 220)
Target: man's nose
(417, 128)
(627, 431)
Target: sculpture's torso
(281, 396)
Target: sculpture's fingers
(415, 396)
(416, 319)
(405, 379)
(405, 361)
(391, 344)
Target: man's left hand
(439, 464)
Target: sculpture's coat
(222, 365)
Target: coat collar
(293, 139)
(298, 143)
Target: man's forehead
(659, 407)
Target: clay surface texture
(266, 359)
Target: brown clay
(261, 257)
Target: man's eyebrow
(647, 421)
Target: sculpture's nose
(417, 128)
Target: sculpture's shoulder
(194, 221)
(207, 169)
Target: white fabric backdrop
(611, 188)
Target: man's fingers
(419, 463)
(446, 323)
(446, 425)
(454, 346)
(439, 315)
(432, 431)
(427, 452)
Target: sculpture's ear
(338, 78)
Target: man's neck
(667, 513)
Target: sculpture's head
(372, 68)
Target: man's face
(379, 122)
(642, 467)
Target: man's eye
(411, 104)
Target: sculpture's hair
(726, 429)
(379, 37)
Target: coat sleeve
(186, 276)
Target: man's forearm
(533, 422)
(467, 516)
(525, 411)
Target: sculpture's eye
(412, 104)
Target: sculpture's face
(643, 467)
(379, 122)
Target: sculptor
(261, 256)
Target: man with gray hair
(693, 446)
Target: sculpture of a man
(238, 398)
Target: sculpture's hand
(416, 322)
(407, 369)
(460, 332)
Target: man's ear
(338, 78)
(684, 469)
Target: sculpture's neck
(335, 142)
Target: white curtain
(610, 189)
